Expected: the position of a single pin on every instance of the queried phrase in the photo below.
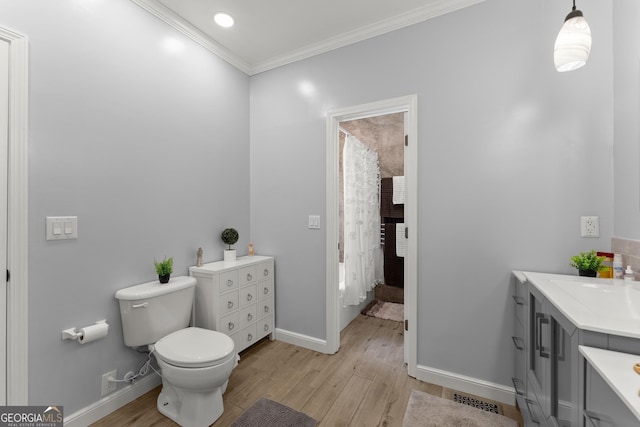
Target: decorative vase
(587, 273)
(164, 278)
(229, 255)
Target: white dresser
(236, 298)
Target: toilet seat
(195, 348)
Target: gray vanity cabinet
(559, 387)
(603, 408)
(552, 364)
(519, 339)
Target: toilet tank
(152, 310)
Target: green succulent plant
(164, 267)
(587, 261)
(229, 236)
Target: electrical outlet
(589, 226)
(107, 385)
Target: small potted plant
(587, 263)
(164, 269)
(229, 236)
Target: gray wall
(626, 150)
(511, 154)
(151, 150)
(148, 147)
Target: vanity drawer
(265, 326)
(228, 281)
(265, 289)
(520, 300)
(248, 295)
(228, 302)
(247, 275)
(229, 324)
(247, 315)
(265, 307)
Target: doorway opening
(406, 108)
(374, 162)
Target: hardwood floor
(364, 384)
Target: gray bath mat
(267, 413)
(426, 410)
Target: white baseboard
(300, 340)
(112, 402)
(465, 384)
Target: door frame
(409, 105)
(17, 340)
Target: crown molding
(415, 16)
(432, 10)
(177, 22)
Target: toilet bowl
(195, 363)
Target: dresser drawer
(247, 315)
(228, 280)
(247, 336)
(265, 307)
(228, 302)
(265, 270)
(229, 324)
(248, 295)
(247, 275)
(265, 289)
(265, 326)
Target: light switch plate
(62, 227)
(314, 222)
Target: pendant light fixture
(573, 43)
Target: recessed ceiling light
(223, 19)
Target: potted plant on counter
(229, 236)
(587, 263)
(164, 269)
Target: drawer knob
(249, 317)
(231, 326)
(249, 337)
(266, 272)
(266, 308)
(249, 277)
(230, 304)
(266, 290)
(249, 297)
(266, 327)
(229, 282)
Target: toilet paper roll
(93, 332)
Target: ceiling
(271, 33)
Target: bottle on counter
(628, 274)
(618, 271)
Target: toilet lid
(194, 347)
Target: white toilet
(195, 363)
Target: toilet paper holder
(77, 334)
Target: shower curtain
(362, 251)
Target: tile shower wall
(630, 250)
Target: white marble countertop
(617, 371)
(610, 306)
